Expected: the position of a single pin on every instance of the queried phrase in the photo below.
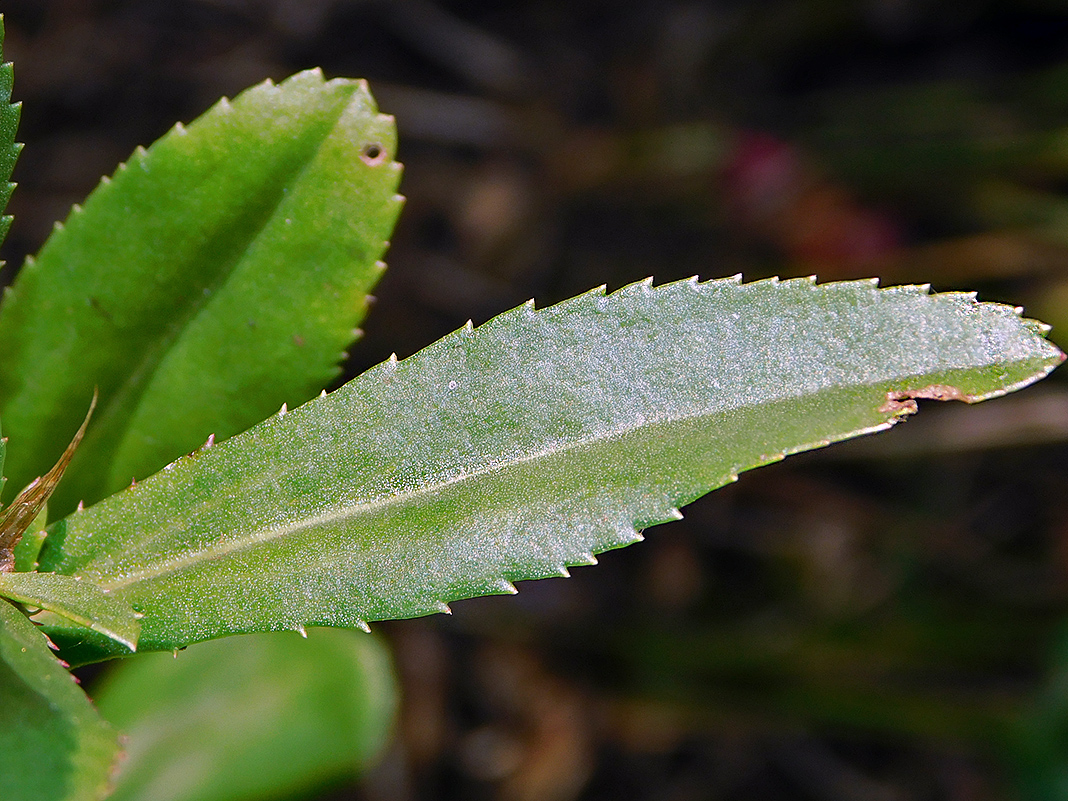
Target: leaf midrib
(353, 511)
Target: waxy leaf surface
(53, 744)
(215, 276)
(527, 445)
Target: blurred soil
(876, 621)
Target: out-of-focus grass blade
(246, 718)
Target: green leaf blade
(217, 275)
(530, 444)
(80, 602)
(53, 744)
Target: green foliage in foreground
(218, 275)
(217, 711)
(53, 744)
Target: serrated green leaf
(9, 125)
(243, 718)
(525, 446)
(217, 275)
(53, 744)
(80, 602)
(25, 510)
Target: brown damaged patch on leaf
(25, 508)
(903, 403)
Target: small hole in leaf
(373, 154)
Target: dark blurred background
(882, 620)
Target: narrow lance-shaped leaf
(29, 504)
(53, 744)
(527, 445)
(215, 276)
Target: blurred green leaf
(53, 744)
(245, 718)
(1037, 746)
(217, 275)
(525, 446)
